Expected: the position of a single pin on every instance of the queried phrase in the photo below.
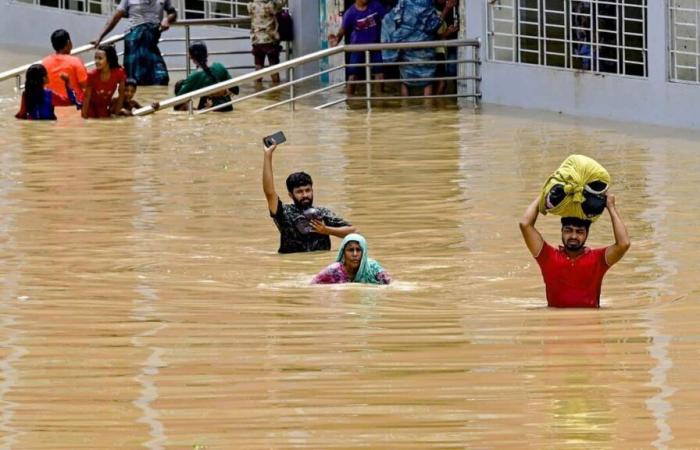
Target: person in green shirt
(206, 76)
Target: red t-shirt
(572, 283)
(102, 92)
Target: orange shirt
(72, 66)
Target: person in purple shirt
(362, 22)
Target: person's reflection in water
(579, 403)
(353, 265)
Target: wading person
(573, 273)
(37, 102)
(302, 227)
(206, 76)
(142, 58)
(353, 265)
(62, 62)
(130, 103)
(103, 81)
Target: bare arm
(449, 6)
(615, 252)
(86, 102)
(335, 39)
(169, 19)
(113, 21)
(533, 238)
(268, 180)
(120, 99)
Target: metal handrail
(18, 71)
(201, 22)
(296, 62)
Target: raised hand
(610, 201)
(271, 148)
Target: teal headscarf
(369, 268)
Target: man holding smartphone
(300, 232)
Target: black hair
(130, 82)
(298, 179)
(111, 54)
(575, 222)
(178, 85)
(59, 39)
(199, 54)
(34, 86)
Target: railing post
(188, 65)
(477, 74)
(368, 79)
(18, 81)
(290, 79)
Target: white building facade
(630, 60)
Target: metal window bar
(529, 31)
(605, 36)
(684, 24)
(551, 19)
(502, 16)
(316, 56)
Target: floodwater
(143, 304)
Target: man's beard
(304, 203)
(574, 245)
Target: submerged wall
(651, 100)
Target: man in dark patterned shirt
(302, 227)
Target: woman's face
(100, 59)
(353, 254)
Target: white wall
(31, 26)
(652, 100)
(307, 31)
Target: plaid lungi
(142, 59)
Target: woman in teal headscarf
(353, 265)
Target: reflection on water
(144, 304)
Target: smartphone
(278, 137)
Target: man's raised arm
(615, 252)
(268, 180)
(533, 238)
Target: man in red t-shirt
(573, 273)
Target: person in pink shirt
(62, 62)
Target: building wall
(17, 18)
(652, 100)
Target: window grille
(602, 36)
(684, 16)
(187, 9)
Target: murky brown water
(143, 304)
